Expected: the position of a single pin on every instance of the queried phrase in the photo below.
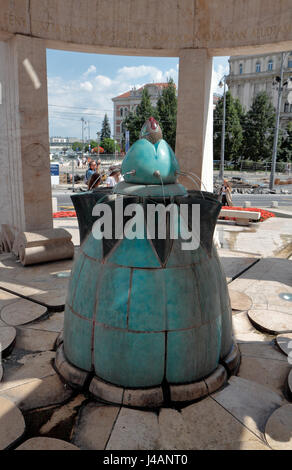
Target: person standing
(225, 193)
(92, 169)
(114, 177)
(94, 181)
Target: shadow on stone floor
(234, 417)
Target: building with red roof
(128, 101)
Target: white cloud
(148, 73)
(92, 98)
(217, 76)
(137, 72)
(86, 86)
(90, 70)
(103, 81)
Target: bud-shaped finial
(151, 131)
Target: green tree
(233, 129)
(285, 150)
(135, 121)
(109, 145)
(77, 145)
(259, 129)
(240, 111)
(167, 111)
(105, 129)
(93, 144)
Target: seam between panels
(95, 311)
(110, 327)
(129, 297)
(165, 327)
(77, 281)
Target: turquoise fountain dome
(153, 163)
(147, 322)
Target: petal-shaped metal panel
(77, 340)
(129, 359)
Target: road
(256, 200)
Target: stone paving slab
(174, 434)
(284, 342)
(290, 383)
(266, 238)
(135, 430)
(7, 338)
(38, 393)
(279, 428)
(268, 372)
(265, 284)
(21, 311)
(208, 426)
(46, 443)
(271, 321)
(265, 281)
(262, 350)
(26, 369)
(249, 402)
(35, 340)
(234, 262)
(54, 323)
(239, 300)
(6, 298)
(244, 331)
(39, 282)
(12, 425)
(94, 426)
(66, 412)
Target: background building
(58, 144)
(128, 101)
(250, 75)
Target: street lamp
(221, 84)
(98, 137)
(115, 142)
(279, 81)
(82, 122)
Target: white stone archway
(193, 30)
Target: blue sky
(82, 85)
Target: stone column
(25, 185)
(194, 137)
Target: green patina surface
(136, 322)
(146, 159)
(138, 314)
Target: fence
(254, 167)
(66, 167)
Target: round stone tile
(290, 383)
(12, 423)
(7, 338)
(239, 300)
(7, 298)
(278, 428)
(284, 342)
(271, 320)
(46, 443)
(59, 340)
(21, 312)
